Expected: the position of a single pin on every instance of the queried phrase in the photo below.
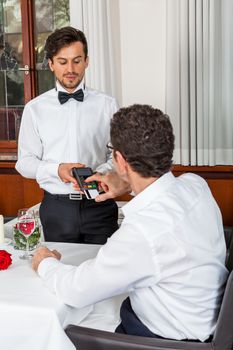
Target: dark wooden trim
(8, 168)
(208, 169)
(216, 175)
(28, 49)
(28, 46)
(31, 20)
(8, 171)
(207, 172)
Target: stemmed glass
(26, 225)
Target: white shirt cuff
(47, 170)
(46, 265)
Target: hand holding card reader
(89, 188)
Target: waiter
(63, 128)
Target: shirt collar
(149, 194)
(59, 87)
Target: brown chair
(93, 339)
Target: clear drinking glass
(26, 225)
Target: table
(31, 317)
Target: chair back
(93, 339)
(223, 335)
(229, 242)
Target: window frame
(8, 148)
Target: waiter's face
(69, 65)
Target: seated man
(169, 252)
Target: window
(23, 70)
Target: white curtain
(199, 80)
(99, 20)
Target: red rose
(5, 260)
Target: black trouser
(131, 324)
(77, 221)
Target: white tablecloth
(31, 318)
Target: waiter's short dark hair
(63, 37)
(144, 136)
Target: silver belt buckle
(75, 196)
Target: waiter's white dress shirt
(52, 133)
(168, 254)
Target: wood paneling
(17, 192)
(220, 181)
(222, 191)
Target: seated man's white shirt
(168, 254)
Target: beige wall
(143, 34)
(139, 32)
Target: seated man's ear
(121, 163)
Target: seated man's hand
(112, 185)
(65, 172)
(42, 253)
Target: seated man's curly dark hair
(144, 137)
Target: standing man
(63, 128)
(169, 253)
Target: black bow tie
(63, 97)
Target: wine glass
(26, 225)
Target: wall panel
(17, 192)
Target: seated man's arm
(124, 263)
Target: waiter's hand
(42, 253)
(65, 172)
(112, 185)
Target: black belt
(71, 196)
